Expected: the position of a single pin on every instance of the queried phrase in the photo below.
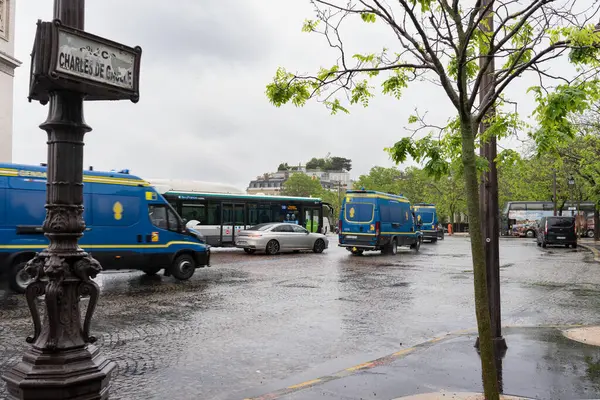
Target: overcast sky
(203, 113)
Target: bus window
(194, 211)
(252, 214)
(213, 214)
(264, 213)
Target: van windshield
(359, 212)
(561, 222)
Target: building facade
(273, 183)
(8, 64)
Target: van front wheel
(183, 267)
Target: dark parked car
(556, 230)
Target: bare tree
(447, 42)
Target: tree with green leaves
(302, 185)
(448, 42)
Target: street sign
(74, 60)
(81, 57)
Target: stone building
(8, 64)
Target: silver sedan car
(280, 236)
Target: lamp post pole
(571, 183)
(554, 190)
(62, 363)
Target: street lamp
(62, 362)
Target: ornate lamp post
(62, 362)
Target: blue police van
(427, 217)
(128, 225)
(371, 221)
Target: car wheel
(530, 234)
(272, 247)
(183, 267)
(356, 252)
(151, 270)
(19, 279)
(250, 251)
(319, 246)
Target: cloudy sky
(203, 113)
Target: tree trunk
(482, 310)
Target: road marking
(594, 251)
(304, 384)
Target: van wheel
(151, 270)
(544, 244)
(319, 246)
(19, 279)
(184, 267)
(574, 245)
(272, 247)
(393, 247)
(434, 240)
(416, 246)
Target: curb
(390, 358)
(594, 251)
(361, 367)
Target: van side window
(163, 217)
(158, 216)
(172, 221)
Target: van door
(164, 224)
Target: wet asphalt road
(254, 324)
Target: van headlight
(197, 234)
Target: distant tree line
(323, 164)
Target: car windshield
(260, 227)
(565, 222)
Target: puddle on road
(300, 286)
(399, 284)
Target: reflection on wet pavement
(255, 321)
